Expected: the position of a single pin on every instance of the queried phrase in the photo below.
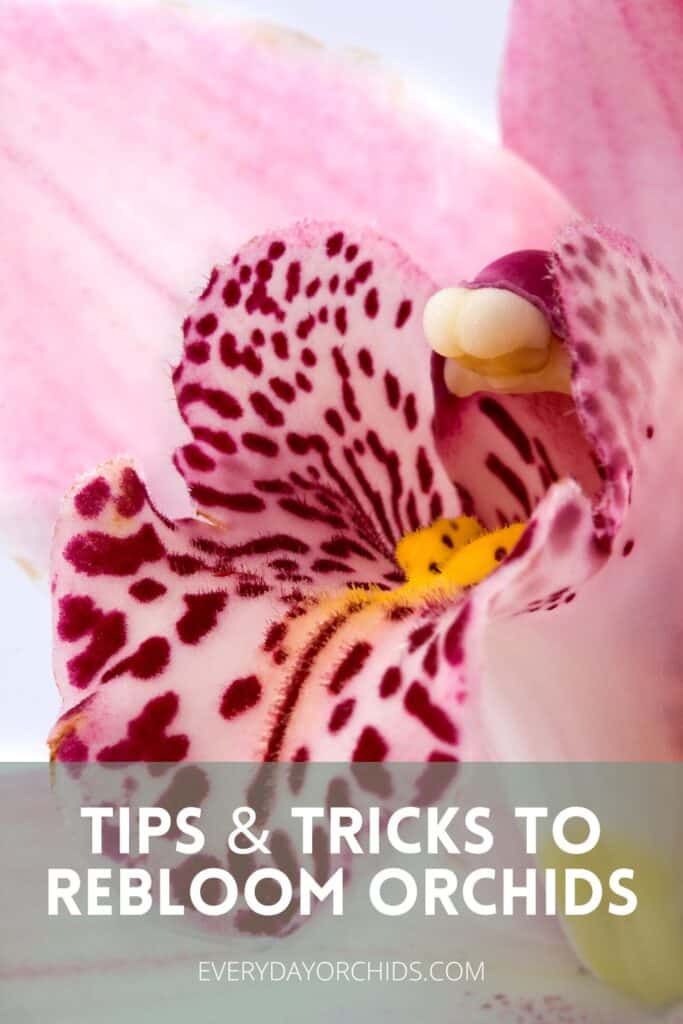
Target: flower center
(453, 553)
(441, 559)
(494, 340)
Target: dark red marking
(327, 565)
(147, 662)
(310, 514)
(341, 714)
(210, 284)
(372, 303)
(201, 615)
(509, 428)
(209, 497)
(77, 616)
(363, 271)
(221, 402)
(132, 494)
(197, 459)
(335, 243)
(344, 547)
(146, 590)
(424, 471)
(72, 749)
(232, 293)
(260, 444)
(393, 390)
(240, 696)
(303, 670)
(184, 565)
(218, 439)
(92, 498)
(430, 662)
(510, 480)
(371, 746)
(251, 585)
(264, 408)
(146, 738)
(410, 411)
(417, 702)
(391, 681)
(264, 270)
(351, 665)
(207, 325)
(108, 637)
(305, 326)
(545, 459)
(524, 543)
(403, 312)
(340, 320)
(280, 344)
(275, 635)
(267, 545)
(419, 637)
(365, 362)
(453, 645)
(283, 389)
(350, 404)
(197, 352)
(99, 554)
(293, 280)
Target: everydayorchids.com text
(354, 971)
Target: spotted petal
(305, 384)
(144, 143)
(590, 97)
(590, 669)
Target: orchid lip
(441, 560)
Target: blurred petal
(144, 143)
(590, 97)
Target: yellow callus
(447, 556)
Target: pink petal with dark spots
(303, 505)
(343, 466)
(591, 97)
(231, 661)
(146, 141)
(581, 658)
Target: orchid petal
(145, 142)
(617, 695)
(143, 621)
(305, 387)
(307, 498)
(607, 683)
(589, 97)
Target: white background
(453, 48)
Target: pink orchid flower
(398, 570)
